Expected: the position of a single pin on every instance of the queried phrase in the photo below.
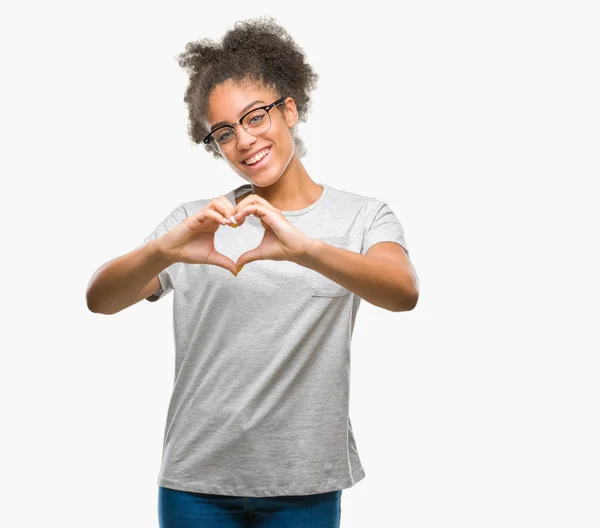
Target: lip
(262, 162)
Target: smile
(259, 159)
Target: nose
(244, 139)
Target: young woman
(258, 431)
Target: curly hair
(257, 51)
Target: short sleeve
(383, 226)
(168, 276)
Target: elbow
(414, 300)
(408, 301)
(95, 307)
(409, 293)
(89, 300)
(92, 306)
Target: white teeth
(258, 157)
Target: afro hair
(257, 51)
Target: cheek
(230, 161)
(283, 140)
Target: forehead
(228, 100)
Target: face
(227, 103)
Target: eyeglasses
(223, 139)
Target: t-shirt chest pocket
(321, 286)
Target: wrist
(158, 253)
(311, 249)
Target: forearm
(119, 283)
(381, 282)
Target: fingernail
(234, 220)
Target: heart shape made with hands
(276, 239)
(234, 240)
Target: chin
(271, 172)
(262, 180)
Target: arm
(126, 280)
(384, 276)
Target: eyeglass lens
(255, 123)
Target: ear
(290, 112)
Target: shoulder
(349, 200)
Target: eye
(224, 136)
(256, 119)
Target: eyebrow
(247, 107)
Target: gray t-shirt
(260, 402)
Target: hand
(282, 241)
(193, 241)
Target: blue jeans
(186, 509)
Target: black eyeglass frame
(239, 121)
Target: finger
(220, 209)
(267, 215)
(250, 256)
(239, 220)
(255, 199)
(230, 206)
(206, 214)
(226, 207)
(218, 259)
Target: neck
(293, 191)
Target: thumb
(218, 259)
(249, 256)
